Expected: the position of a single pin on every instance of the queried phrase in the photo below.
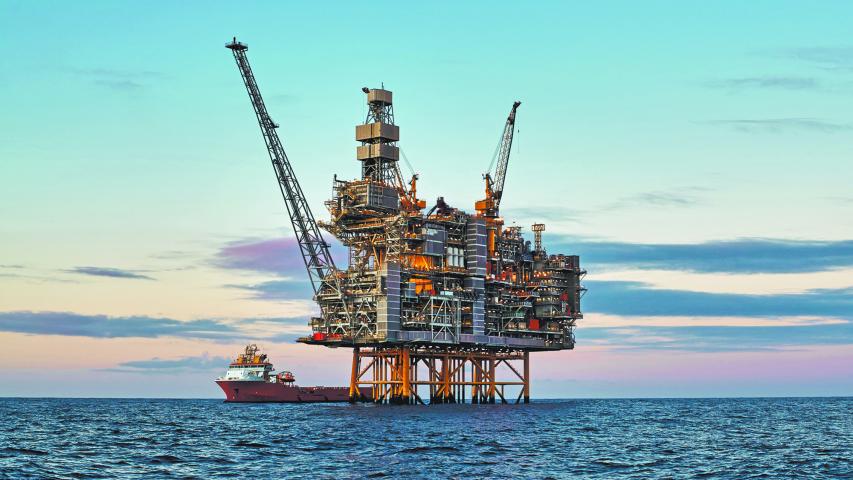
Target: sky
(697, 156)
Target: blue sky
(697, 157)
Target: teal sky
(127, 142)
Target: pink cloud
(280, 256)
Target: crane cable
(494, 156)
(408, 164)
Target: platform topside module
(436, 287)
(442, 276)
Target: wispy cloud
(11, 270)
(116, 73)
(285, 289)
(117, 79)
(765, 82)
(717, 339)
(103, 326)
(120, 84)
(601, 320)
(781, 125)
(203, 362)
(279, 256)
(663, 199)
(749, 255)
(547, 213)
(108, 272)
(840, 199)
(674, 198)
(639, 299)
(174, 255)
(837, 59)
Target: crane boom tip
(236, 46)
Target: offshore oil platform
(433, 302)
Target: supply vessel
(251, 378)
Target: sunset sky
(697, 156)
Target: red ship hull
(254, 392)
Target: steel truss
(409, 375)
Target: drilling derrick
(441, 305)
(378, 135)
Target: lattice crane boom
(503, 156)
(315, 251)
(489, 206)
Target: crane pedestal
(409, 375)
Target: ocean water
(689, 438)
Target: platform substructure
(408, 375)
